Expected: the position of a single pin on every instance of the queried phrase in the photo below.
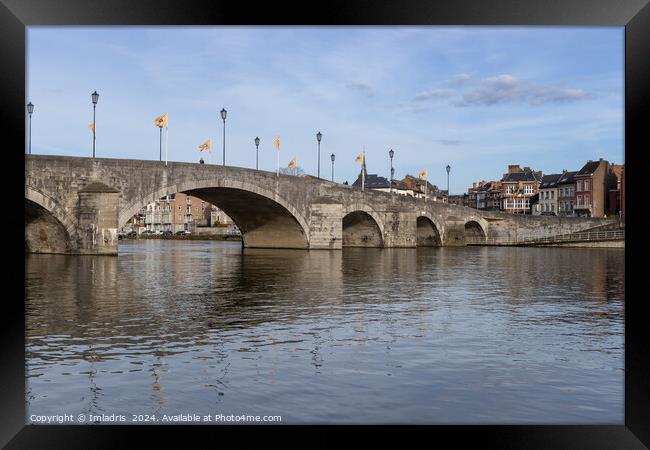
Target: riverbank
(189, 237)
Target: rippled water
(433, 335)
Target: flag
(424, 173)
(276, 143)
(91, 126)
(359, 159)
(207, 145)
(292, 163)
(161, 121)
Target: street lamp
(95, 97)
(319, 136)
(391, 153)
(223, 116)
(257, 156)
(332, 157)
(30, 110)
(448, 169)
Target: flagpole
(160, 151)
(363, 170)
(166, 143)
(277, 172)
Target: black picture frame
(634, 15)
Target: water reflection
(433, 335)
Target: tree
(296, 171)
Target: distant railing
(587, 236)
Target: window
(579, 185)
(552, 207)
(552, 195)
(587, 202)
(586, 185)
(579, 200)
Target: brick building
(179, 211)
(593, 182)
(614, 194)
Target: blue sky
(476, 98)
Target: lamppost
(319, 136)
(448, 169)
(332, 157)
(257, 156)
(223, 116)
(95, 97)
(30, 110)
(391, 153)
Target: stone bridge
(76, 205)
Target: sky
(475, 98)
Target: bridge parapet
(92, 198)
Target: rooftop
(549, 181)
(590, 167)
(567, 177)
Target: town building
(566, 187)
(548, 195)
(421, 188)
(623, 193)
(593, 182)
(614, 193)
(472, 195)
(176, 212)
(410, 185)
(489, 195)
(517, 187)
(533, 201)
(457, 200)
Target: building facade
(177, 212)
(517, 187)
(566, 187)
(614, 194)
(548, 195)
(592, 186)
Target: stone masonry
(75, 205)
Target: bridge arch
(362, 226)
(265, 218)
(428, 232)
(474, 229)
(48, 229)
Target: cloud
(362, 88)
(509, 89)
(434, 93)
(459, 79)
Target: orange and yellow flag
(292, 163)
(276, 143)
(424, 173)
(91, 126)
(359, 158)
(207, 145)
(162, 121)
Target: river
(473, 335)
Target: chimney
(514, 168)
(474, 184)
